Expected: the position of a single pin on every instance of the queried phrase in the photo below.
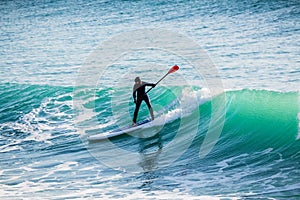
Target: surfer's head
(137, 80)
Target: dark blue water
(227, 121)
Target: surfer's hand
(153, 86)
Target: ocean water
(227, 122)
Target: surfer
(139, 95)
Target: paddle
(171, 70)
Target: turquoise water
(241, 142)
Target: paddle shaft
(158, 81)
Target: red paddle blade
(173, 69)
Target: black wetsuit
(139, 95)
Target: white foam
(13, 145)
(189, 100)
(38, 122)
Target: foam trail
(184, 106)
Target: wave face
(258, 145)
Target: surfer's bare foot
(133, 124)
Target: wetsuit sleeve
(134, 93)
(150, 84)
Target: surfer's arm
(150, 84)
(134, 94)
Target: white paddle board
(120, 131)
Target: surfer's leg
(151, 113)
(136, 111)
(149, 107)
